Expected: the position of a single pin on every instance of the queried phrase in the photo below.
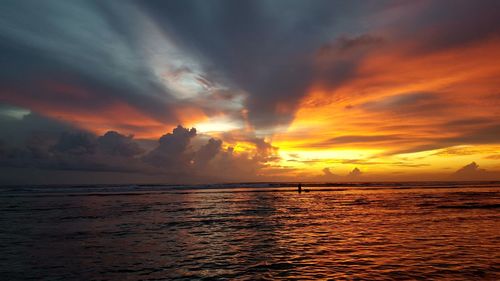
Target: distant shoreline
(135, 190)
(268, 184)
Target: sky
(231, 91)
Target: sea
(252, 231)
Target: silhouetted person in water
(299, 188)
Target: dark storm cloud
(176, 158)
(172, 149)
(88, 55)
(448, 24)
(207, 152)
(337, 62)
(16, 129)
(345, 46)
(267, 49)
(114, 143)
(263, 47)
(75, 143)
(74, 54)
(75, 151)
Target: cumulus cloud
(114, 143)
(172, 149)
(263, 149)
(176, 157)
(207, 152)
(328, 175)
(77, 143)
(471, 172)
(327, 172)
(355, 173)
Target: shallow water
(251, 234)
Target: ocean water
(397, 231)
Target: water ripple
(342, 234)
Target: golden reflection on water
(445, 234)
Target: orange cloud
(397, 99)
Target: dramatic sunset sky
(229, 91)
